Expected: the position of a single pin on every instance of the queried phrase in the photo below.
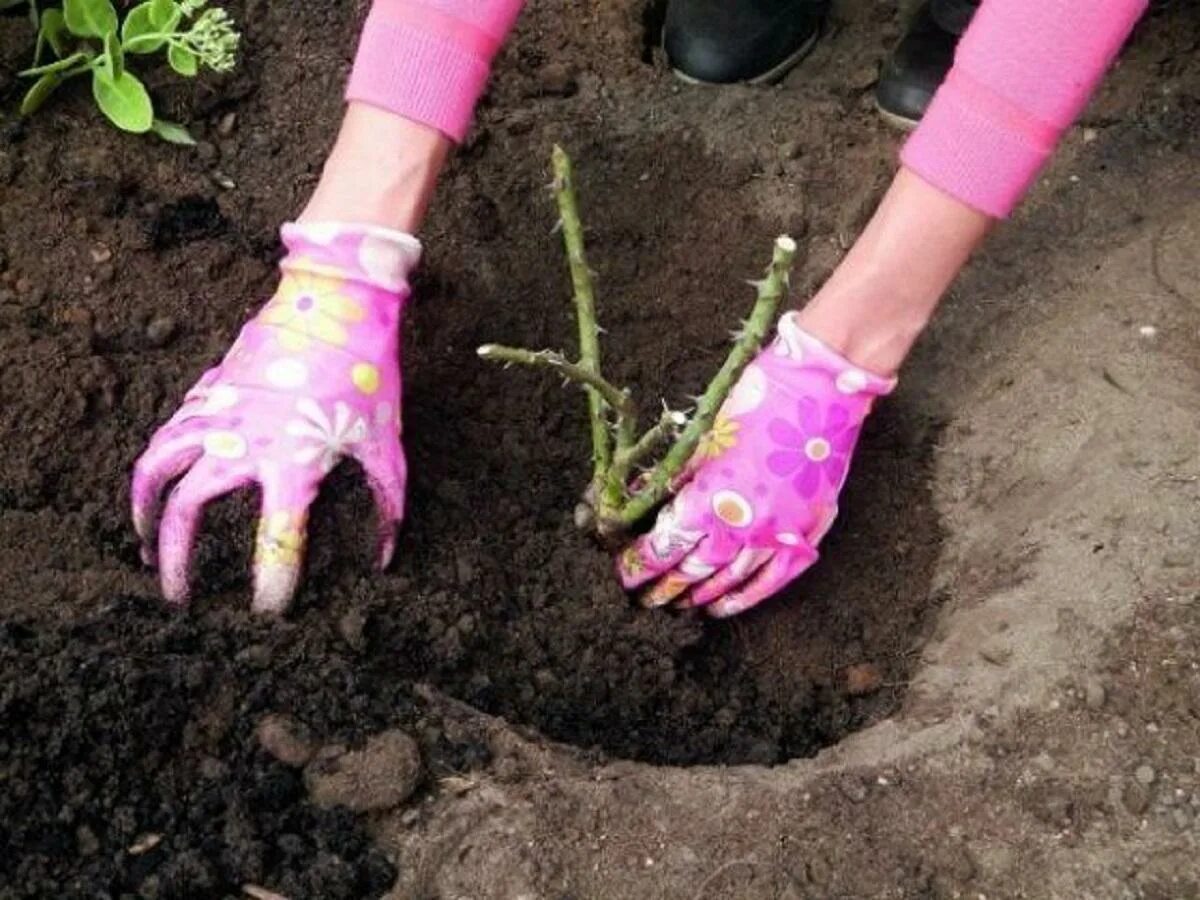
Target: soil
(126, 267)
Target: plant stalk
(771, 290)
(618, 398)
(585, 315)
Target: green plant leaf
(125, 101)
(90, 18)
(165, 14)
(112, 64)
(172, 132)
(52, 31)
(36, 95)
(139, 23)
(182, 60)
(60, 65)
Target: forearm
(1023, 71)
(382, 171)
(881, 296)
(420, 68)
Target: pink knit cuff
(977, 147)
(1022, 73)
(429, 61)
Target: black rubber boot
(918, 65)
(730, 41)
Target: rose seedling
(87, 38)
(625, 486)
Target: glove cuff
(379, 257)
(795, 352)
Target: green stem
(617, 398)
(585, 315)
(771, 291)
(625, 460)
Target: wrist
(382, 171)
(867, 319)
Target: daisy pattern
(325, 440)
(669, 536)
(310, 306)
(721, 437)
(280, 540)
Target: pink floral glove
(315, 376)
(762, 488)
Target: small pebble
(1089, 135)
(789, 150)
(285, 739)
(227, 124)
(863, 678)
(351, 626)
(160, 331)
(854, 789)
(1144, 774)
(1182, 818)
(206, 152)
(1136, 798)
(1094, 694)
(556, 80)
(145, 844)
(223, 181)
(258, 892)
(997, 652)
(101, 254)
(86, 841)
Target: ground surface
(1016, 554)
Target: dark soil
(119, 719)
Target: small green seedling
(86, 37)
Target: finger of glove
(161, 463)
(745, 564)
(282, 537)
(184, 509)
(659, 550)
(696, 566)
(387, 475)
(783, 568)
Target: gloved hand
(315, 376)
(761, 490)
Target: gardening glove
(761, 490)
(315, 376)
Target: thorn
(600, 329)
(558, 226)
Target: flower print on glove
(762, 488)
(314, 377)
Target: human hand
(761, 491)
(314, 377)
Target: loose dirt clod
(285, 739)
(381, 775)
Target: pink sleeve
(1022, 74)
(428, 60)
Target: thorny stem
(771, 291)
(585, 315)
(624, 461)
(614, 504)
(617, 398)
